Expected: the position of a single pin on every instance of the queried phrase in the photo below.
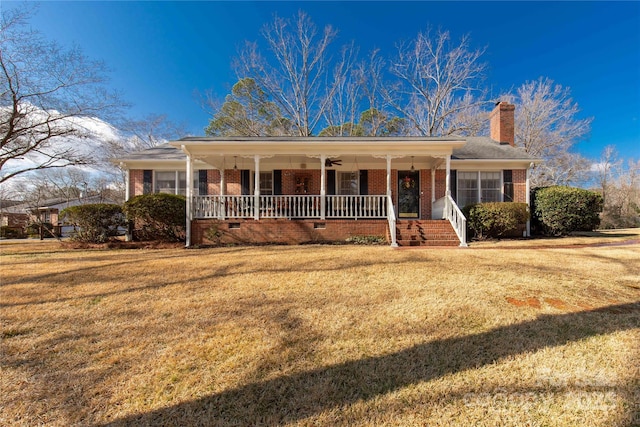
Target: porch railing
(290, 206)
(356, 207)
(223, 207)
(453, 213)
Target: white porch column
(528, 198)
(433, 185)
(256, 188)
(323, 187)
(189, 197)
(223, 183)
(222, 205)
(448, 179)
(388, 176)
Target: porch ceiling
(301, 153)
(348, 162)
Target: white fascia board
(319, 146)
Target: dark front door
(408, 194)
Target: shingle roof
(482, 147)
(160, 152)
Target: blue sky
(162, 53)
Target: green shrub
(560, 210)
(157, 216)
(96, 223)
(12, 232)
(486, 220)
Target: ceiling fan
(328, 163)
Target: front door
(408, 194)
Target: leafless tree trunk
(346, 92)
(437, 84)
(606, 169)
(298, 81)
(620, 187)
(43, 90)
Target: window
(348, 183)
(467, 188)
(490, 185)
(174, 182)
(266, 183)
(474, 187)
(165, 182)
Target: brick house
(296, 189)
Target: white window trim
(338, 181)
(479, 181)
(272, 182)
(500, 185)
(176, 181)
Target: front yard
(498, 334)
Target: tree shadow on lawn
(294, 397)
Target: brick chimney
(501, 121)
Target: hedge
(157, 216)
(559, 210)
(96, 223)
(498, 219)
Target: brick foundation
(286, 231)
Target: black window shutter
(203, 188)
(507, 179)
(331, 182)
(147, 182)
(245, 182)
(364, 182)
(277, 182)
(453, 184)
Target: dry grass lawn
(497, 334)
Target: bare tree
(345, 96)
(43, 90)
(620, 188)
(546, 126)
(438, 81)
(565, 168)
(69, 183)
(150, 131)
(298, 79)
(607, 169)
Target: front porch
(376, 181)
(299, 219)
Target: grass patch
(321, 335)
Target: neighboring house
(10, 217)
(45, 211)
(296, 189)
